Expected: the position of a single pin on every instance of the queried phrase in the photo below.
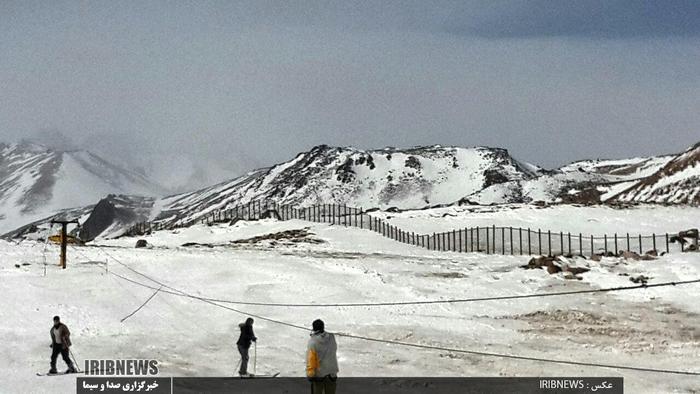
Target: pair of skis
(274, 375)
(57, 373)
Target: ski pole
(255, 358)
(75, 362)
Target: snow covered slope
(678, 182)
(36, 182)
(587, 181)
(654, 327)
(405, 178)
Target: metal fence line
(486, 239)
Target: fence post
(471, 238)
(503, 240)
(580, 244)
(569, 235)
(561, 242)
(488, 248)
(493, 234)
(510, 230)
(478, 242)
(653, 242)
(520, 240)
(640, 244)
(592, 247)
(529, 242)
(616, 249)
(605, 239)
(460, 240)
(628, 242)
(539, 239)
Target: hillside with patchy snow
(677, 182)
(587, 181)
(36, 182)
(404, 178)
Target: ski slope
(655, 328)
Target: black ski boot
(52, 371)
(71, 369)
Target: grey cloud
(581, 18)
(204, 91)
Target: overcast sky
(209, 89)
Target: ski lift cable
(409, 344)
(429, 347)
(117, 276)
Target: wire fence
(486, 239)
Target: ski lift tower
(64, 237)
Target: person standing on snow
(60, 343)
(244, 340)
(321, 360)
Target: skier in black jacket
(247, 336)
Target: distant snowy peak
(677, 182)
(406, 178)
(36, 182)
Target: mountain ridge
(415, 178)
(36, 181)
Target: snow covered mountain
(405, 178)
(36, 182)
(409, 179)
(677, 182)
